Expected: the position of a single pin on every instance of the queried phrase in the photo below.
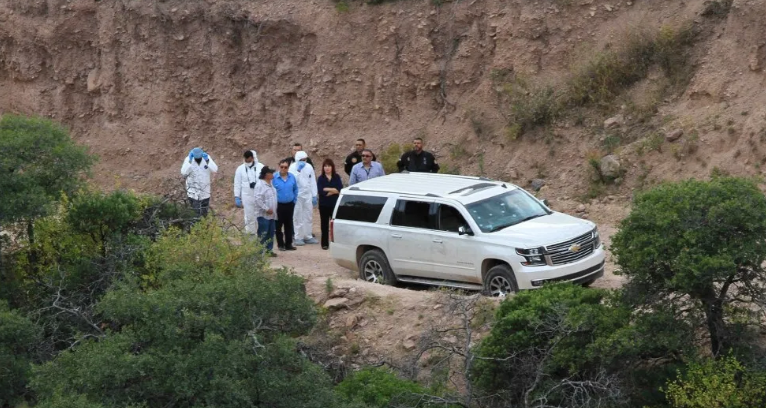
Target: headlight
(596, 239)
(532, 256)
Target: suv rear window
(360, 208)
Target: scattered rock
(338, 293)
(513, 174)
(335, 304)
(94, 83)
(674, 135)
(608, 7)
(451, 339)
(543, 192)
(580, 208)
(614, 121)
(351, 321)
(409, 343)
(610, 166)
(537, 184)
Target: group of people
(280, 202)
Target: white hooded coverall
(307, 190)
(198, 177)
(248, 173)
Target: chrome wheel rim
(373, 271)
(499, 286)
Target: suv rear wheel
(373, 267)
(500, 281)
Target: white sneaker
(312, 240)
(299, 242)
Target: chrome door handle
(397, 236)
(437, 240)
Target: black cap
(264, 171)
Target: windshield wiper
(499, 227)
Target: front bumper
(583, 271)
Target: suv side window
(414, 214)
(450, 218)
(360, 208)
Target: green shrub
(377, 387)
(530, 107)
(722, 383)
(601, 79)
(221, 336)
(18, 339)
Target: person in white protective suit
(245, 180)
(198, 169)
(307, 199)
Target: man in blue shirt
(287, 195)
(366, 170)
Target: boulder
(674, 135)
(338, 293)
(336, 303)
(614, 121)
(580, 208)
(94, 80)
(610, 166)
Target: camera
(252, 184)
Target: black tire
(374, 267)
(500, 281)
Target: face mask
(198, 160)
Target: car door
(409, 240)
(454, 255)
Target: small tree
(698, 243)
(38, 161)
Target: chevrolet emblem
(575, 248)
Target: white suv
(458, 231)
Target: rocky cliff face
(142, 82)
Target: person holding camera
(245, 180)
(198, 169)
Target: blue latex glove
(314, 201)
(191, 156)
(238, 202)
(205, 157)
(301, 165)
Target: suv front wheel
(500, 281)
(373, 267)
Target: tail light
(332, 230)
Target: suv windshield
(505, 210)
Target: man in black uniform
(297, 147)
(418, 160)
(356, 156)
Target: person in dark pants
(418, 160)
(266, 209)
(198, 170)
(355, 156)
(329, 185)
(287, 195)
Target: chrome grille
(569, 256)
(564, 246)
(561, 253)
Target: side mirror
(463, 230)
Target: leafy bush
(530, 107)
(376, 387)
(565, 344)
(606, 75)
(701, 240)
(18, 338)
(722, 383)
(217, 337)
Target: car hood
(545, 230)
